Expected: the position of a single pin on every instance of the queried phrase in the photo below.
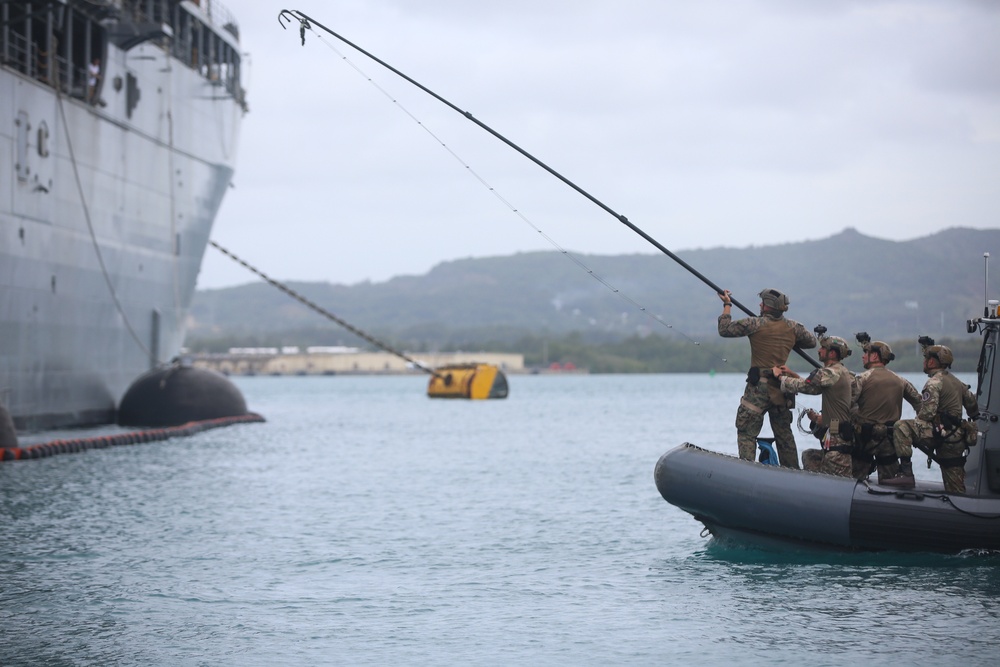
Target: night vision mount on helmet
(940, 352)
(868, 345)
(832, 342)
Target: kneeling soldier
(833, 382)
(938, 427)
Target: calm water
(367, 524)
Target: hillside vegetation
(543, 305)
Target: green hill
(848, 282)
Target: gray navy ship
(119, 122)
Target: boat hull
(771, 506)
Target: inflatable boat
(768, 506)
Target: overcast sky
(714, 123)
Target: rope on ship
(319, 309)
(73, 445)
(307, 22)
(93, 235)
(454, 381)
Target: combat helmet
(836, 343)
(774, 299)
(941, 353)
(883, 350)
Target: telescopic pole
(306, 22)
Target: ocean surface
(365, 524)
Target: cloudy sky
(715, 123)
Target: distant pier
(343, 361)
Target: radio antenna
(986, 285)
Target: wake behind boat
(769, 506)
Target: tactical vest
(770, 345)
(881, 398)
(837, 398)
(950, 398)
(949, 426)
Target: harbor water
(365, 524)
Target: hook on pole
(290, 15)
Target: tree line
(636, 354)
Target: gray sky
(736, 123)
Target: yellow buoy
(475, 381)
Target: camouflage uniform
(878, 396)
(944, 394)
(812, 460)
(772, 337)
(833, 383)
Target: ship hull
(105, 215)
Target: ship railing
(56, 71)
(221, 17)
(217, 59)
(158, 11)
(48, 66)
(218, 15)
(152, 11)
(17, 54)
(72, 78)
(224, 71)
(219, 63)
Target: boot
(904, 478)
(887, 470)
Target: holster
(970, 431)
(753, 376)
(843, 429)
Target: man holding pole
(772, 337)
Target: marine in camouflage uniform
(938, 426)
(878, 397)
(772, 337)
(833, 382)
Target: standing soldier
(834, 383)
(938, 426)
(772, 337)
(878, 394)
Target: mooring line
(322, 311)
(468, 168)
